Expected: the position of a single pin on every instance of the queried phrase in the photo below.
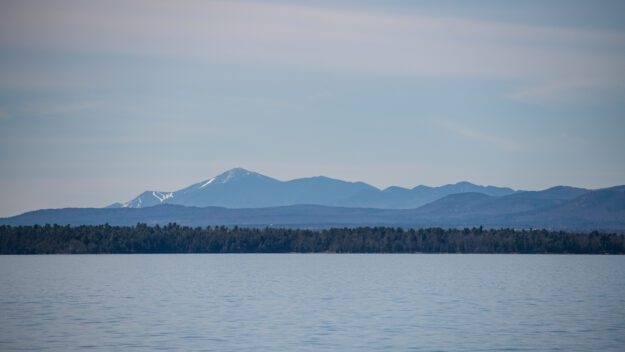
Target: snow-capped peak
(232, 174)
(188, 196)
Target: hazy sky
(101, 100)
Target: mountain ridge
(564, 208)
(241, 188)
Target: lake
(313, 302)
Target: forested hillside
(52, 239)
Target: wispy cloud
(473, 134)
(63, 109)
(50, 108)
(546, 59)
(564, 91)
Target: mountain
(231, 189)
(558, 208)
(403, 198)
(604, 208)
(240, 188)
(564, 208)
(291, 216)
(477, 205)
(247, 198)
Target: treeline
(55, 239)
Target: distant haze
(100, 101)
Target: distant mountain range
(240, 188)
(244, 198)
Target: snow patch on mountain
(208, 182)
(163, 196)
(148, 199)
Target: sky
(100, 101)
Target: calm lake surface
(295, 302)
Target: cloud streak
(315, 38)
(502, 143)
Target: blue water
(313, 302)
